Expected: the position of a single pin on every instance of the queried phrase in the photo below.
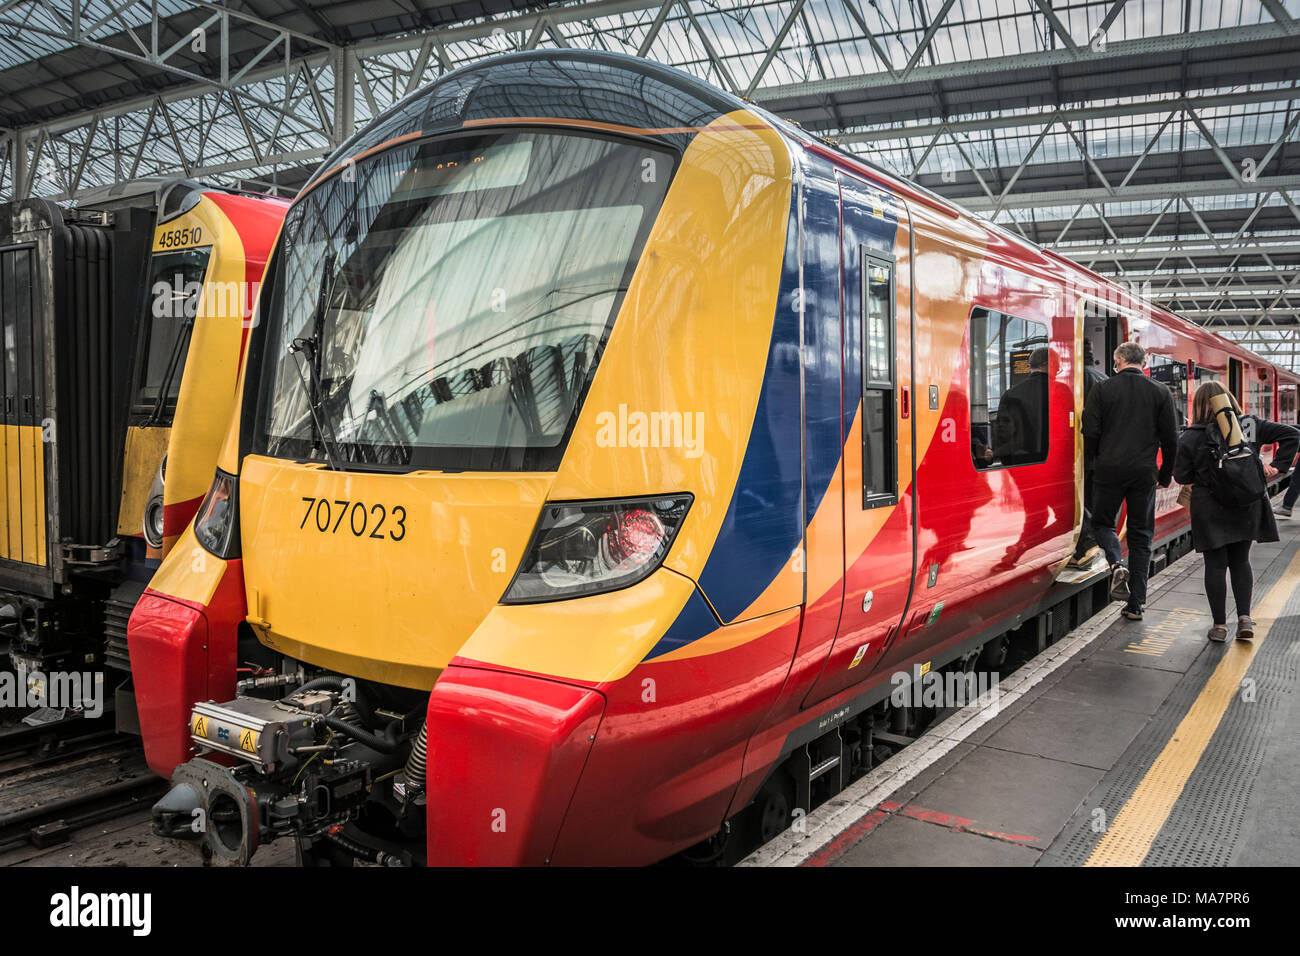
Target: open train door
(1234, 380)
(1103, 332)
(878, 467)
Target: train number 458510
(375, 521)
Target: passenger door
(879, 556)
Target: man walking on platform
(1126, 420)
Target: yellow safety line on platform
(1129, 837)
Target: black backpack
(1236, 474)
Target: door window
(879, 419)
(1009, 370)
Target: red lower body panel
(505, 754)
(182, 653)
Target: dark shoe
(1119, 583)
(1132, 613)
(1245, 628)
(1218, 634)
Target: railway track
(61, 777)
(54, 822)
(23, 747)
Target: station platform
(1122, 744)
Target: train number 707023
(332, 514)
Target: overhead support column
(345, 119)
(22, 181)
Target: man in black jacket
(1126, 420)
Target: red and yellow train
(605, 445)
(126, 317)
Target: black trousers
(1139, 495)
(1086, 536)
(1235, 560)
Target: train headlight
(217, 523)
(582, 548)
(153, 522)
(153, 509)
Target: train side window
(879, 418)
(18, 307)
(9, 312)
(1261, 405)
(1009, 376)
(1173, 375)
(1286, 403)
(1207, 375)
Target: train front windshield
(443, 304)
(175, 287)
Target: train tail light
(217, 523)
(582, 548)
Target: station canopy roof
(1154, 140)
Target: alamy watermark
(179, 299)
(30, 689)
(78, 909)
(656, 429)
(944, 689)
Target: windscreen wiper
(179, 348)
(311, 347)
(319, 417)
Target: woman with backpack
(1218, 454)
